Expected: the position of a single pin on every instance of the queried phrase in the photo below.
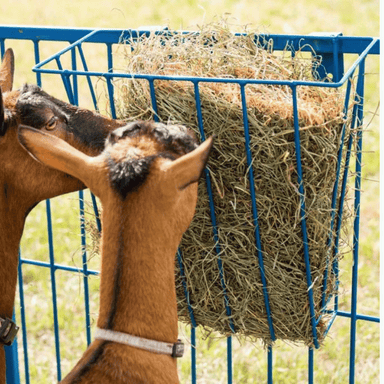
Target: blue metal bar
(334, 195)
(192, 79)
(338, 65)
(193, 355)
(348, 44)
(90, 85)
(150, 77)
(153, 100)
(74, 79)
(229, 360)
(332, 59)
(373, 319)
(270, 364)
(302, 215)
(111, 97)
(343, 192)
(320, 43)
(359, 144)
(37, 60)
(110, 69)
(26, 32)
(66, 82)
(68, 48)
(215, 235)
(212, 207)
(85, 267)
(53, 287)
(310, 365)
(110, 57)
(254, 212)
(96, 210)
(186, 293)
(2, 47)
(23, 321)
(330, 322)
(59, 267)
(11, 356)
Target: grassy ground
(354, 17)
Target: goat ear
(57, 153)
(188, 168)
(7, 70)
(4, 116)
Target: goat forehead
(34, 105)
(31, 93)
(34, 96)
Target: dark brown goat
(25, 182)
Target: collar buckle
(178, 349)
(8, 331)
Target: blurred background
(352, 18)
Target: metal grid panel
(331, 47)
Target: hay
(215, 52)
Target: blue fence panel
(332, 48)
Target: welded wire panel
(301, 182)
(332, 50)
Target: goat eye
(52, 123)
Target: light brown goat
(23, 181)
(146, 179)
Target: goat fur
(141, 233)
(25, 182)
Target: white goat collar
(174, 350)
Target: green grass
(355, 18)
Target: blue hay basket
(332, 48)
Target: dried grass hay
(216, 52)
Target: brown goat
(146, 179)
(23, 181)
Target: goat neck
(137, 291)
(148, 190)
(142, 300)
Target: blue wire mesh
(331, 48)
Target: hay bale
(215, 52)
